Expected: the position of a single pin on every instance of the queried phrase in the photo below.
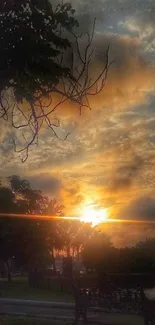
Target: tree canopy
(41, 56)
(32, 241)
(31, 40)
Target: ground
(19, 289)
(6, 320)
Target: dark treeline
(31, 243)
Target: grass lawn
(6, 320)
(19, 289)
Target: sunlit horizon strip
(73, 218)
(37, 216)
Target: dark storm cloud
(110, 12)
(126, 173)
(45, 182)
(87, 11)
(104, 12)
(144, 13)
(134, 17)
(142, 208)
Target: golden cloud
(71, 195)
(129, 80)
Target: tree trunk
(78, 253)
(30, 280)
(73, 251)
(53, 260)
(8, 272)
(31, 274)
(68, 251)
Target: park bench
(116, 300)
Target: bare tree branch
(77, 88)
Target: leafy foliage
(41, 57)
(103, 248)
(28, 240)
(32, 38)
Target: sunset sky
(109, 158)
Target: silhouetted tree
(41, 56)
(147, 245)
(28, 240)
(6, 244)
(102, 246)
(54, 237)
(28, 201)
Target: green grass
(6, 320)
(19, 289)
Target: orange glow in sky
(94, 216)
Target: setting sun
(94, 216)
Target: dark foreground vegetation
(29, 248)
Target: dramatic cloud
(72, 195)
(129, 234)
(142, 208)
(49, 184)
(129, 82)
(108, 159)
(125, 174)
